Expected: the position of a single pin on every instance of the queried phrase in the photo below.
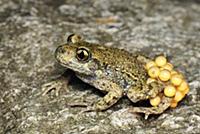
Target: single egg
(176, 79)
(174, 72)
(178, 96)
(170, 91)
(168, 66)
(182, 86)
(164, 75)
(155, 101)
(160, 61)
(154, 72)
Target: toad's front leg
(57, 85)
(114, 93)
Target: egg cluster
(176, 85)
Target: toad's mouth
(76, 67)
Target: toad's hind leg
(146, 92)
(114, 93)
(141, 91)
(165, 103)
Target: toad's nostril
(62, 50)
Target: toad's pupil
(81, 55)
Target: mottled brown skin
(113, 71)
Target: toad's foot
(56, 85)
(53, 85)
(94, 107)
(103, 103)
(88, 109)
(166, 101)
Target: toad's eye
(83, 54)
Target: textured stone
(30, 31)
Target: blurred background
(30, 31)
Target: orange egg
(173, 104)
(154, 72)
(164, 75)
(174, 72)
(178, 96)
(155, 101)
(168, 66)
(182, 86)
(170, 91)
(160, 61)
(176, 79)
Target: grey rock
(31, 30)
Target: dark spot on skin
(60, 50)
(114, 97)
(108, 103)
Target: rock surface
(30, 31)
